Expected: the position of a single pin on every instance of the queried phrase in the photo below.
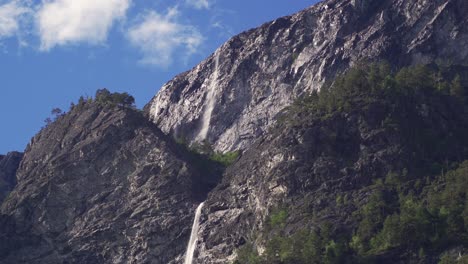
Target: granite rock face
(100, 185)
(9, 164)
(232, 97)
(304, 164)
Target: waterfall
(193, 236)
(210, 102)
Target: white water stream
(193, 236)
(210, 102)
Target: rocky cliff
(9, 163)
(369, 170)
(322, 163)
(101, 185)
(232, 97)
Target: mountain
(101, 184)
(320, 168)
(245, 150)
(233, 97)
(9, 164)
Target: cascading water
(210, 102)
(193, 236)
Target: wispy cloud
(159, 36)
(63, 22)
(199, 4)
(10, 15)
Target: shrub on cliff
(105, 98)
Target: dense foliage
(415, 216)
(420, 212)
(205, 150)
(364, 84)
(105, 98)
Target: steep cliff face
(100, 185)
(8, 166)
(232, 97)
(321, 167)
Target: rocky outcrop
(311, 160)
(261, 71)
(8, 166)
(101, 185)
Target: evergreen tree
(56, 112)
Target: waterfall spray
(210, 102)
(193, 236)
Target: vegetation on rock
(105, 98)
(413, 214)
(205, 150)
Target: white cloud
(10, 16)
(199, 4)
(159, 36)
(62, 22)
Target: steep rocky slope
(8, 166)
(232, 97)
(324, 160)
(101, 185)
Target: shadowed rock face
(8, 166)
(100, 185)
(262, 70)
(305, 163)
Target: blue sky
(53, 51)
